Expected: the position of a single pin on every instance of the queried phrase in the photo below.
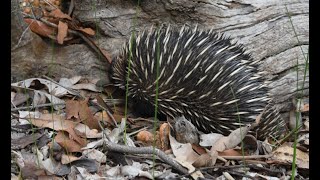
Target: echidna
(201, 75)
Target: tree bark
(264, 27)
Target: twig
(36, 106)
(104, 133)
(247, 157)
(85, 38)
(104, 106)
(227, 175)
(240, 174)
(22, 35)
(69, 89)
(264, 169)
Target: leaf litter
(76, 129)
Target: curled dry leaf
(40, 28)
(57, 13)
(164, 136)
(62, 32)
(146, 137)
(231, 141)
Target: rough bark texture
(262, 26)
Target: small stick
(86, 39)
(71, 90)
(36, 106)
(247, 157)
(227, 176)
(240, 174)
(145, 150)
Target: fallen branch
(145, 150)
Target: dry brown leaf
(86, 115)
(57, 125)
(206, 160)
(88, 31)
(66, 159)
(81, 111)
(146, 137)
(285, 154)
(70, 145)
(72, 109)
(62, 31)
(164, 136)
(74, 136)
(32, 171)
(103, 116)
(57, 13)
(40, 28)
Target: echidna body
(200, 74)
